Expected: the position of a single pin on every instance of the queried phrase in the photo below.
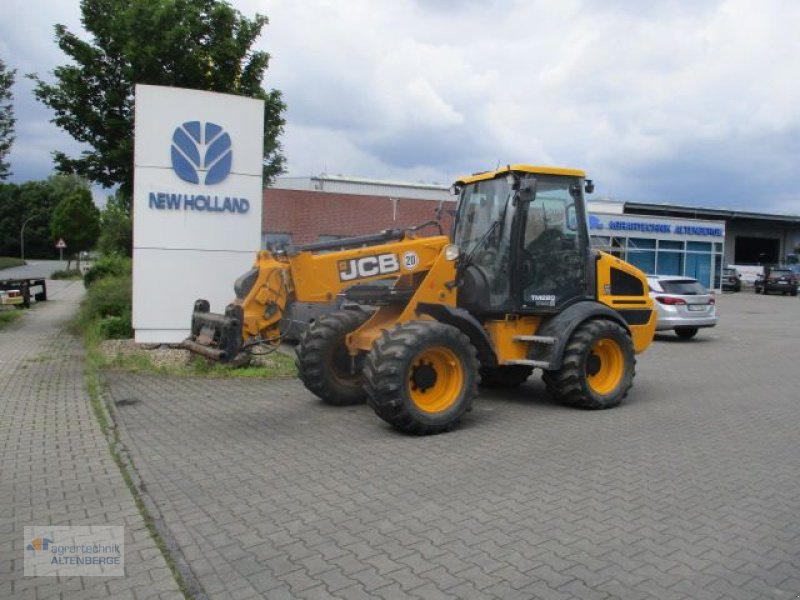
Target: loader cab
(523, 240)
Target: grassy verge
(73, 274)
(9, 316)
(106, 315)
(9, 261)
(276, 364)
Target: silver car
(683, 304)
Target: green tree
(7, 119)
(33, 203)
(77, 221)
(116, 228)
(200, 44)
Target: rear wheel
(421, 377)
(323, 363)
(686, 333)
(597, 369)
(510, 376)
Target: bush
(112, 265)
(67, 274)
(108, 297)
(116, 328)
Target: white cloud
(659, 101)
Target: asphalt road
(34, 268)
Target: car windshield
(777, 274)
(683, 287)
(728, 272)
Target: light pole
(22, 237)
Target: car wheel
(686, 333)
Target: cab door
(553, 253)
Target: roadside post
(61, 244)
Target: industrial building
(658, 238)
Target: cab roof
(538, 170)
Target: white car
(683, 304)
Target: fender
(467, 324)
(562, 325)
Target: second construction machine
(517, 288)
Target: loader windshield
(483, 204)
(483, 234)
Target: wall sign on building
(663, 246)
(197, 203)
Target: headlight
(451, 252)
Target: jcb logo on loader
(368, 266)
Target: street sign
(61, 244)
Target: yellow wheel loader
(517, 288)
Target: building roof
(365, 187)
(695, 212)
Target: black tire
(396, 374)
(323, 363)
(572, 384)
(794, 292)
(510, 376)
(686, 333)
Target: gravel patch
(169, 355)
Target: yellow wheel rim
(605, 366)
(435, 380)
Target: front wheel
(421, 377)
(597, 369)
(323, 363)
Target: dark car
(777, 279)
(731, 280)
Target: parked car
(731, 280)
(683, 304)
(777, 279)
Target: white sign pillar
(196, 204)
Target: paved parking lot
(690, 489)
(56, 468)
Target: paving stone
(688, 490)
(56, 465)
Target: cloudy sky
(691, 102)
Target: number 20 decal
(410, 260)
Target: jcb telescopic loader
(518, 288)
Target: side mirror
(588, 186)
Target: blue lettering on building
(198, 202)
(695, 230)
(635, 226)
(649, 227)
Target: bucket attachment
(214, 336)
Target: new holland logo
(368, 266)
(201, 148)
